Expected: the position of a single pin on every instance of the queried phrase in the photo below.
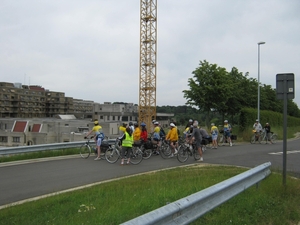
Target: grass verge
(119, 201)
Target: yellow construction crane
(148, 47)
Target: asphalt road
(36, 178)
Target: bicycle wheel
(183, 154)
(112, 155)
(136, 156)
(146, 153)
(274, 138)
(102, 155)
(196, 154)
(165, 152)
(252, 139)
(85, 151)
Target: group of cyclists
(132, 134)
(258, 129)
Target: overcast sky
(90, 49)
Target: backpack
(215, 131)
(162, 133)
(101, 136)
(178, 131)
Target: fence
(188, 209)
(36, 148)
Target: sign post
(285, 89)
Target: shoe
(191, 147)
(230, 144)
(200, 160)
(97, 158)
(128, 163)
(175, 153)
(122, 163)
(171, 156)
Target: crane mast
(147, 73)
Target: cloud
(90, 49)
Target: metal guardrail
(36, 148)
(188, 209)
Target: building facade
(31, 115)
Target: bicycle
(165, 149)
(113, 155)
(272, 137)
(222, 140)
(184, 152)
(257, 136)
(148, 148)
(86, 149)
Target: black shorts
(198, 143)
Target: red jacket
(144, 135)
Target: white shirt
(257, 127)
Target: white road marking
(288, 152)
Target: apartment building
(25, 101)
(30, 115)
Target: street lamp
(258, 88)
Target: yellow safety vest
(127, 142)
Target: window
(3, 139)
(16, 139)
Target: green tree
(268, 99)
(210, 89)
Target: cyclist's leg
(98, 143)
(129, 153)
(172, 145)
(199, 149)
(123, 152)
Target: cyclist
(190, 123)
(99, 136)
(156, 136)
(214, 135)
(131, 127)
(152, 127)
(144, 133)
(172, 136)
(123, 128)
(136, 134)
(268, 132)
(227, 131)
(257, 127)
(127, 141)
(196, 135)
(205, 138)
